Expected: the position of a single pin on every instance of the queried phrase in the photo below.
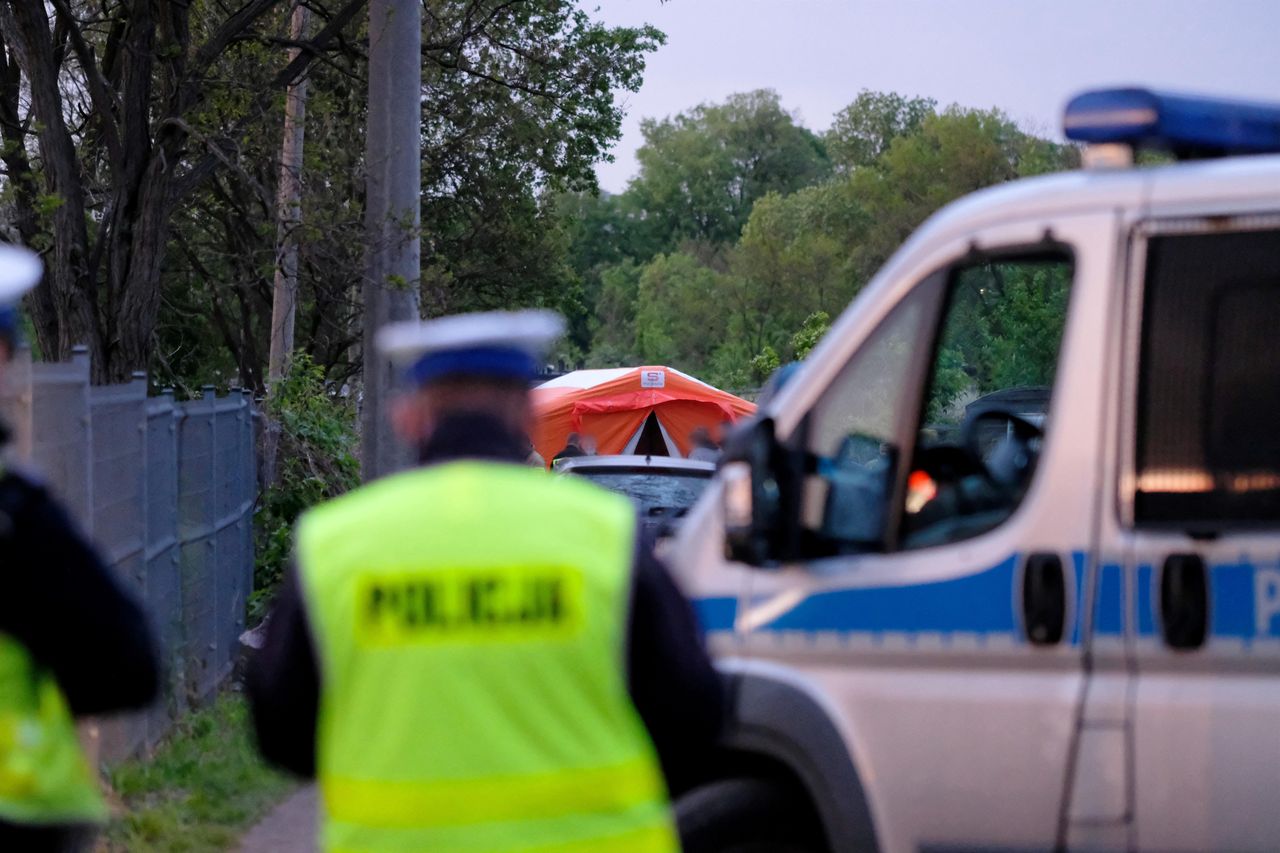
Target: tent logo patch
(653, 379)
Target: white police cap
(495, 344)
(20, 270)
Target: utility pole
(289, 211)
(392, 214)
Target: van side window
(986, 402)
(856, 432)
(1208, 420)
(932, 432)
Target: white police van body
(1075, 642)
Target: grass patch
(201, 789)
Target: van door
(948, 528)
(1201, 505)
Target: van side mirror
(755, 496)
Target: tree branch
(104, 103)
(202, 169)
(508, 84)
(231, 27)
(263, 195)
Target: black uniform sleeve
(673, 684)
(284, 685)
(67, 608)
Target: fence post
(89, 729)
(80, 360)
(16, 402)
(248, 489)
(176, 625)
(210, 397)
(138, 385)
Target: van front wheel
(748, 815)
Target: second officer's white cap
(492, 344)
(20, 270)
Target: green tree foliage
(516, 110)
(701, 171)
(787, 265)
(765, 364)
(1003, 330)
(808, 335)
(615, 326)
(603, 230)
(767, 361)
(954, 153)
(861, 133)
(678, 311)
(518, 104)
(778, 257)
(1013, 322)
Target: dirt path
(289, 828)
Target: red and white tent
(631, 410)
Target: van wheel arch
(780, 734)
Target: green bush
(314, 460)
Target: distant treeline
(744, 232)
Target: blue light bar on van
(1187, 125)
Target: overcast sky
(1024, 56)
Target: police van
(1050, 620)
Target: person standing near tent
(534, 458)
(72, 642)
(571, 450)
(705, 448)
(473, 655)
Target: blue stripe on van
(1077, 628)
(1109, 612)
(1146, 620)
(1231, 600)
(1244, 604)
(980, 603)
(716, 614)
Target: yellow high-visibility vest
(470, 624)
(44, 777)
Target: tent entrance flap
(651, 439)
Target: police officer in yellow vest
(71, 642)
(476, 655)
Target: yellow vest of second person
(44, 777)
(470, 622)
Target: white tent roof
(587, 378)
(592, 378)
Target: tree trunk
(13, 133)
(135, 284)
(289, 212)
(68, 287)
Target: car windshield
(653, 492)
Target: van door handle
(1184, 601)
(1044, 599)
